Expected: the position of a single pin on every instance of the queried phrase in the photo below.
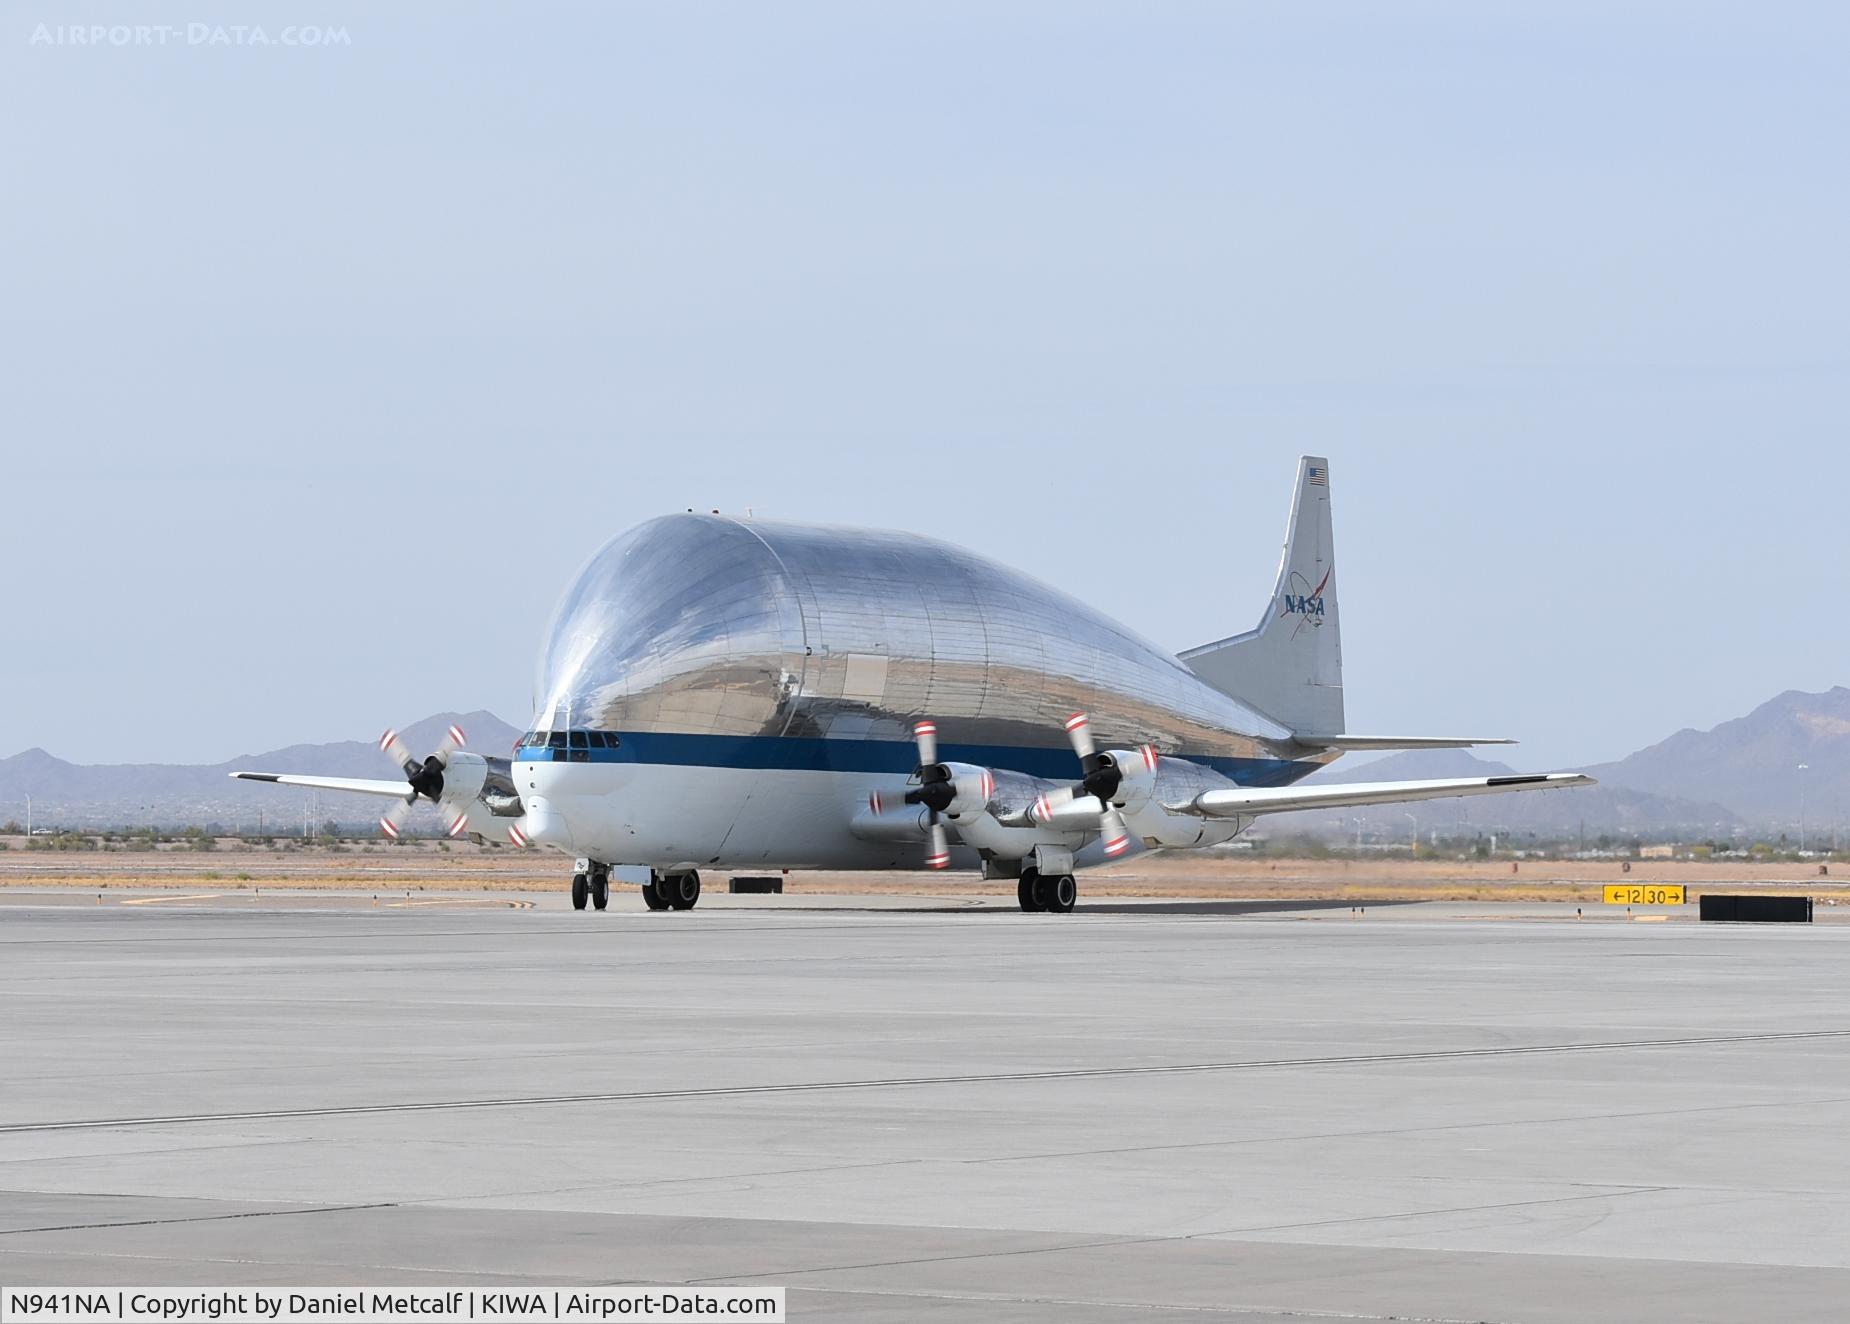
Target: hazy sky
(324, 368)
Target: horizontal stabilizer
(1353, 744)
(1242, 801)
(398, 790)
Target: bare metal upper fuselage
(716, 693)
(703, 639)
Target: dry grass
(1204, 875)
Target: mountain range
(1742, 774)
(163, 794)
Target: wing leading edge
(398, 790)
(1241, 801)
(1352, 743)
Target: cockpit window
(571, 740)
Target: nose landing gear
(591, 883)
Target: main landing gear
(592, 885)
(678, 891)
(1053, 893)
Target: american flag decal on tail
(1319, 475)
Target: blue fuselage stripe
(813, 754)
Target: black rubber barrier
(738, 885)
(1757, 909)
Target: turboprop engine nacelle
(969, 787)
(463, 779)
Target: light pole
(1416, 832)
(1802, 768)
(28, 820)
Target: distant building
(1657, 852)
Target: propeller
(477, 818)
(424, 780)
(942, 788)
(1100, 777)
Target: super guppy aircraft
(741, 695)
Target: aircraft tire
(1038, 890)
(1024, 891)
(652, 895)
(683, 890)
(581, 891)
(1059, 893)
(600, 890)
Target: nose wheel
(593, 886)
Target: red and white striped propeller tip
(1117, 837)
(1079, 730)
(926, 733)
(460, 825)
(387, 826)
(940, 854)
(457, 738)
(394, 748)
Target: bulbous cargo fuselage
(718, 658)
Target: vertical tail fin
(1290, 666)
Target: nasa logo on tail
(1303, 601)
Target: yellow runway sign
(1645, 894)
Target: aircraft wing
(1240, 801)
(1349, 742)
(398, 790)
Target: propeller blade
(1043, 808)
(927, 735)
(1079, 731)
(394, 817)
(1111, 828)
(453, 740)
(939, 854)
(515, 836)
(394, 749)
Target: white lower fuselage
(670, 817)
